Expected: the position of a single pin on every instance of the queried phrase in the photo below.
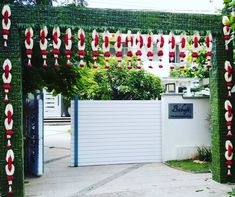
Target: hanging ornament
(196, 46)
(172, 46)
(56, 44)
(81, 46)
(229, 156)
(139, 44)
(226, 31)
(95, 47)
(8, 123)
(106, 48)
(6, 77)
(10, 170)
(118, 49)
(150, 48)
(68, 46)
(182, 49)
(228, 77)
(6, 23)
(129, 43)
(208, 41)
(43, 45)
(29, 45)
(160, 45)
(228, 117)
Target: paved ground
(132, 180)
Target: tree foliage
(123, 84)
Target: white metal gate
(112, 132)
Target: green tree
(123, 84)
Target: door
(34, 134)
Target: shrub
(204, 153)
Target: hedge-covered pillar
(13, 53)
(219, 94)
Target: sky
(195, 6)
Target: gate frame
(112, 20)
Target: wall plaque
(180, 110)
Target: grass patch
(189, 165)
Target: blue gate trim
(76, 131)
(43, 159)
(37, 134)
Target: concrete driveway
(130, 180)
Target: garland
(95, 47)
(139, 44)
(226, 31)
(196, 46)
(160, 45)
(8, 124)
(228, 77)
(150, 49)
(6, 77)
(6, 24)
(106, 48)
(182, 49)
(229, 156)
(118, 49)
(172, 46)
(209, 54)
(81, 46)
(43, 45)
(228, 117)
(56, 44)
(29, 45)
(68, 46)
(129, 43)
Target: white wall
(180, 137)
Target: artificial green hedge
(112, 20)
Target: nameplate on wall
(180, 111)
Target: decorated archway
(37, 20)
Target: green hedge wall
(113, 20)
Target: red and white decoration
(229, 156)
(43, 45)
(129, 43)
(160, 44)
(172, 47)
(209, 53)
(196, 47)
(29, 45)
(228, 117)
(68, 46)
(149, 46)
(8, 123)
(81, 46)
(6, 77)
(106, 48)
(139, 44)
(118, 49)
(95, 47)
(6, 23)
(10, 170)
(56, 44)
(226, 31)
(228, 77)
(182, 50)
